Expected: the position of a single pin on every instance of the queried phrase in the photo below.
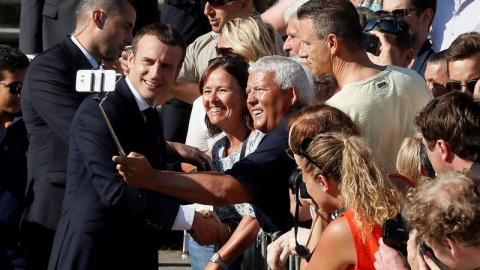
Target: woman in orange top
(340, 173)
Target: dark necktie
(150, 119)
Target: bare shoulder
(335, 249)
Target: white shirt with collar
(89, 57)
(453, 18)
(185, 215)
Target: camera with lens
(295, 182)
(395, 234)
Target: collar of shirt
(141, 102)
(89, 57)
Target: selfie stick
(110, 128)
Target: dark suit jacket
(420, 63)
(49, 102)
(13, 179)
(44, 23)
(105, 223)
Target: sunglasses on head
(302, 151)
(223, 51)
(216, 3)
(457, 86)
(384, 25)
(402, 12)
(229, 59)
(15, 87)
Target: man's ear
(427, 16)
(99, 18)
(333, 43)
(130, 59)
(407, 57)
(445, 150)
(451, 246)
(292, 96)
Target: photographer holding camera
(444, 214)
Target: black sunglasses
(301, 250)
(402, 12)
(229, 59)
(302, 151)
(216, 3)
(385, 25)
(457, 86)
(15, 87)
(224, 52)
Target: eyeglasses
(402, 12)
(15, 87)
(457, 86)
(216, 3)
(229, 59)
(385, 25)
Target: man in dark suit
(44, 23)
(49, 102)
(105, 223)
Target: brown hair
(447, 206)
(337, 17)
(464, 46)
(165, 33)
(319, 118)
(453, 118)
(239, 71)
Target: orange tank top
(365, 250)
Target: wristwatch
(216, 259)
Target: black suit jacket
(420, 63)
(13, 179)
(49, 102)
(105, 223)
(44, 23)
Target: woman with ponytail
(340, 173)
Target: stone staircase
(9, 22)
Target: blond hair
(364, 187)
(250, 37)
(408, 158)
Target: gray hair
(287, 73)
(292, 10)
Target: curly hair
(364, 187)
(448, 206)
(453, 118)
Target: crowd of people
(343, 133)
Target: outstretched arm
(207, 188)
